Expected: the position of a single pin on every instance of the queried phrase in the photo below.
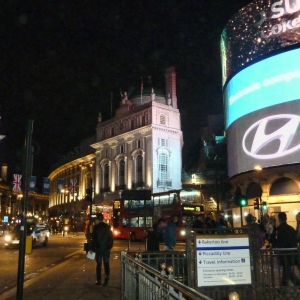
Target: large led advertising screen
(262, 114)
(258, 29)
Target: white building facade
(141, 147)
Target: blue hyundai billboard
(261, 76)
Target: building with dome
(139, 148)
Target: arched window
(139, 168)
(254, 190)
(283, 186)
(122, 172)
(163, 169)
(106, 176)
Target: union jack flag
(73, 186)
(17, 183)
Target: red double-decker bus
(132, 218)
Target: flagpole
(111, 100)
(142, 86)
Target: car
(39, 231)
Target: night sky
(60, 61)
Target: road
(44, 258)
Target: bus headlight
(116, 232)
(182, 232)
(7, 238)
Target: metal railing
(140, 281)
(275, 272)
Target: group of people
(208, 222)
(283, 236)
(162, 231)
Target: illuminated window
(163, 168)
(162, 142)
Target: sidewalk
(72, 279)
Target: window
(139, 168)
(121, 126)
(162, 142)
(122, 172)
(103, 134)
(113, 131)
(163, 168)
(132, 124)
(138, 144)
(106, 153)
(143, 121)
(162, 119)
(122, 149)
(106, 176)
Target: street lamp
(258, 168)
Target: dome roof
(135, 96)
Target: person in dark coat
(168, 231)
(286, 238)
(153, 238)
(102, 242)
(298, 227)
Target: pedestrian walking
(255, 234)
(287, 238)
(102, 242)
(168, 231)
(298, 226)
(153, 238)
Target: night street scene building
(139, 148)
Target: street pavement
(72, 279)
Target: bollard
(163, 268)
(170, 271)
(233, 296)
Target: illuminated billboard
(262, 114)
(258, 29)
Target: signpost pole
(27, 169)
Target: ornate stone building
(139, 148)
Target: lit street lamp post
(259, 169)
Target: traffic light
(88, 194)
(256, 203)
(241, 200)
(264, 205)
